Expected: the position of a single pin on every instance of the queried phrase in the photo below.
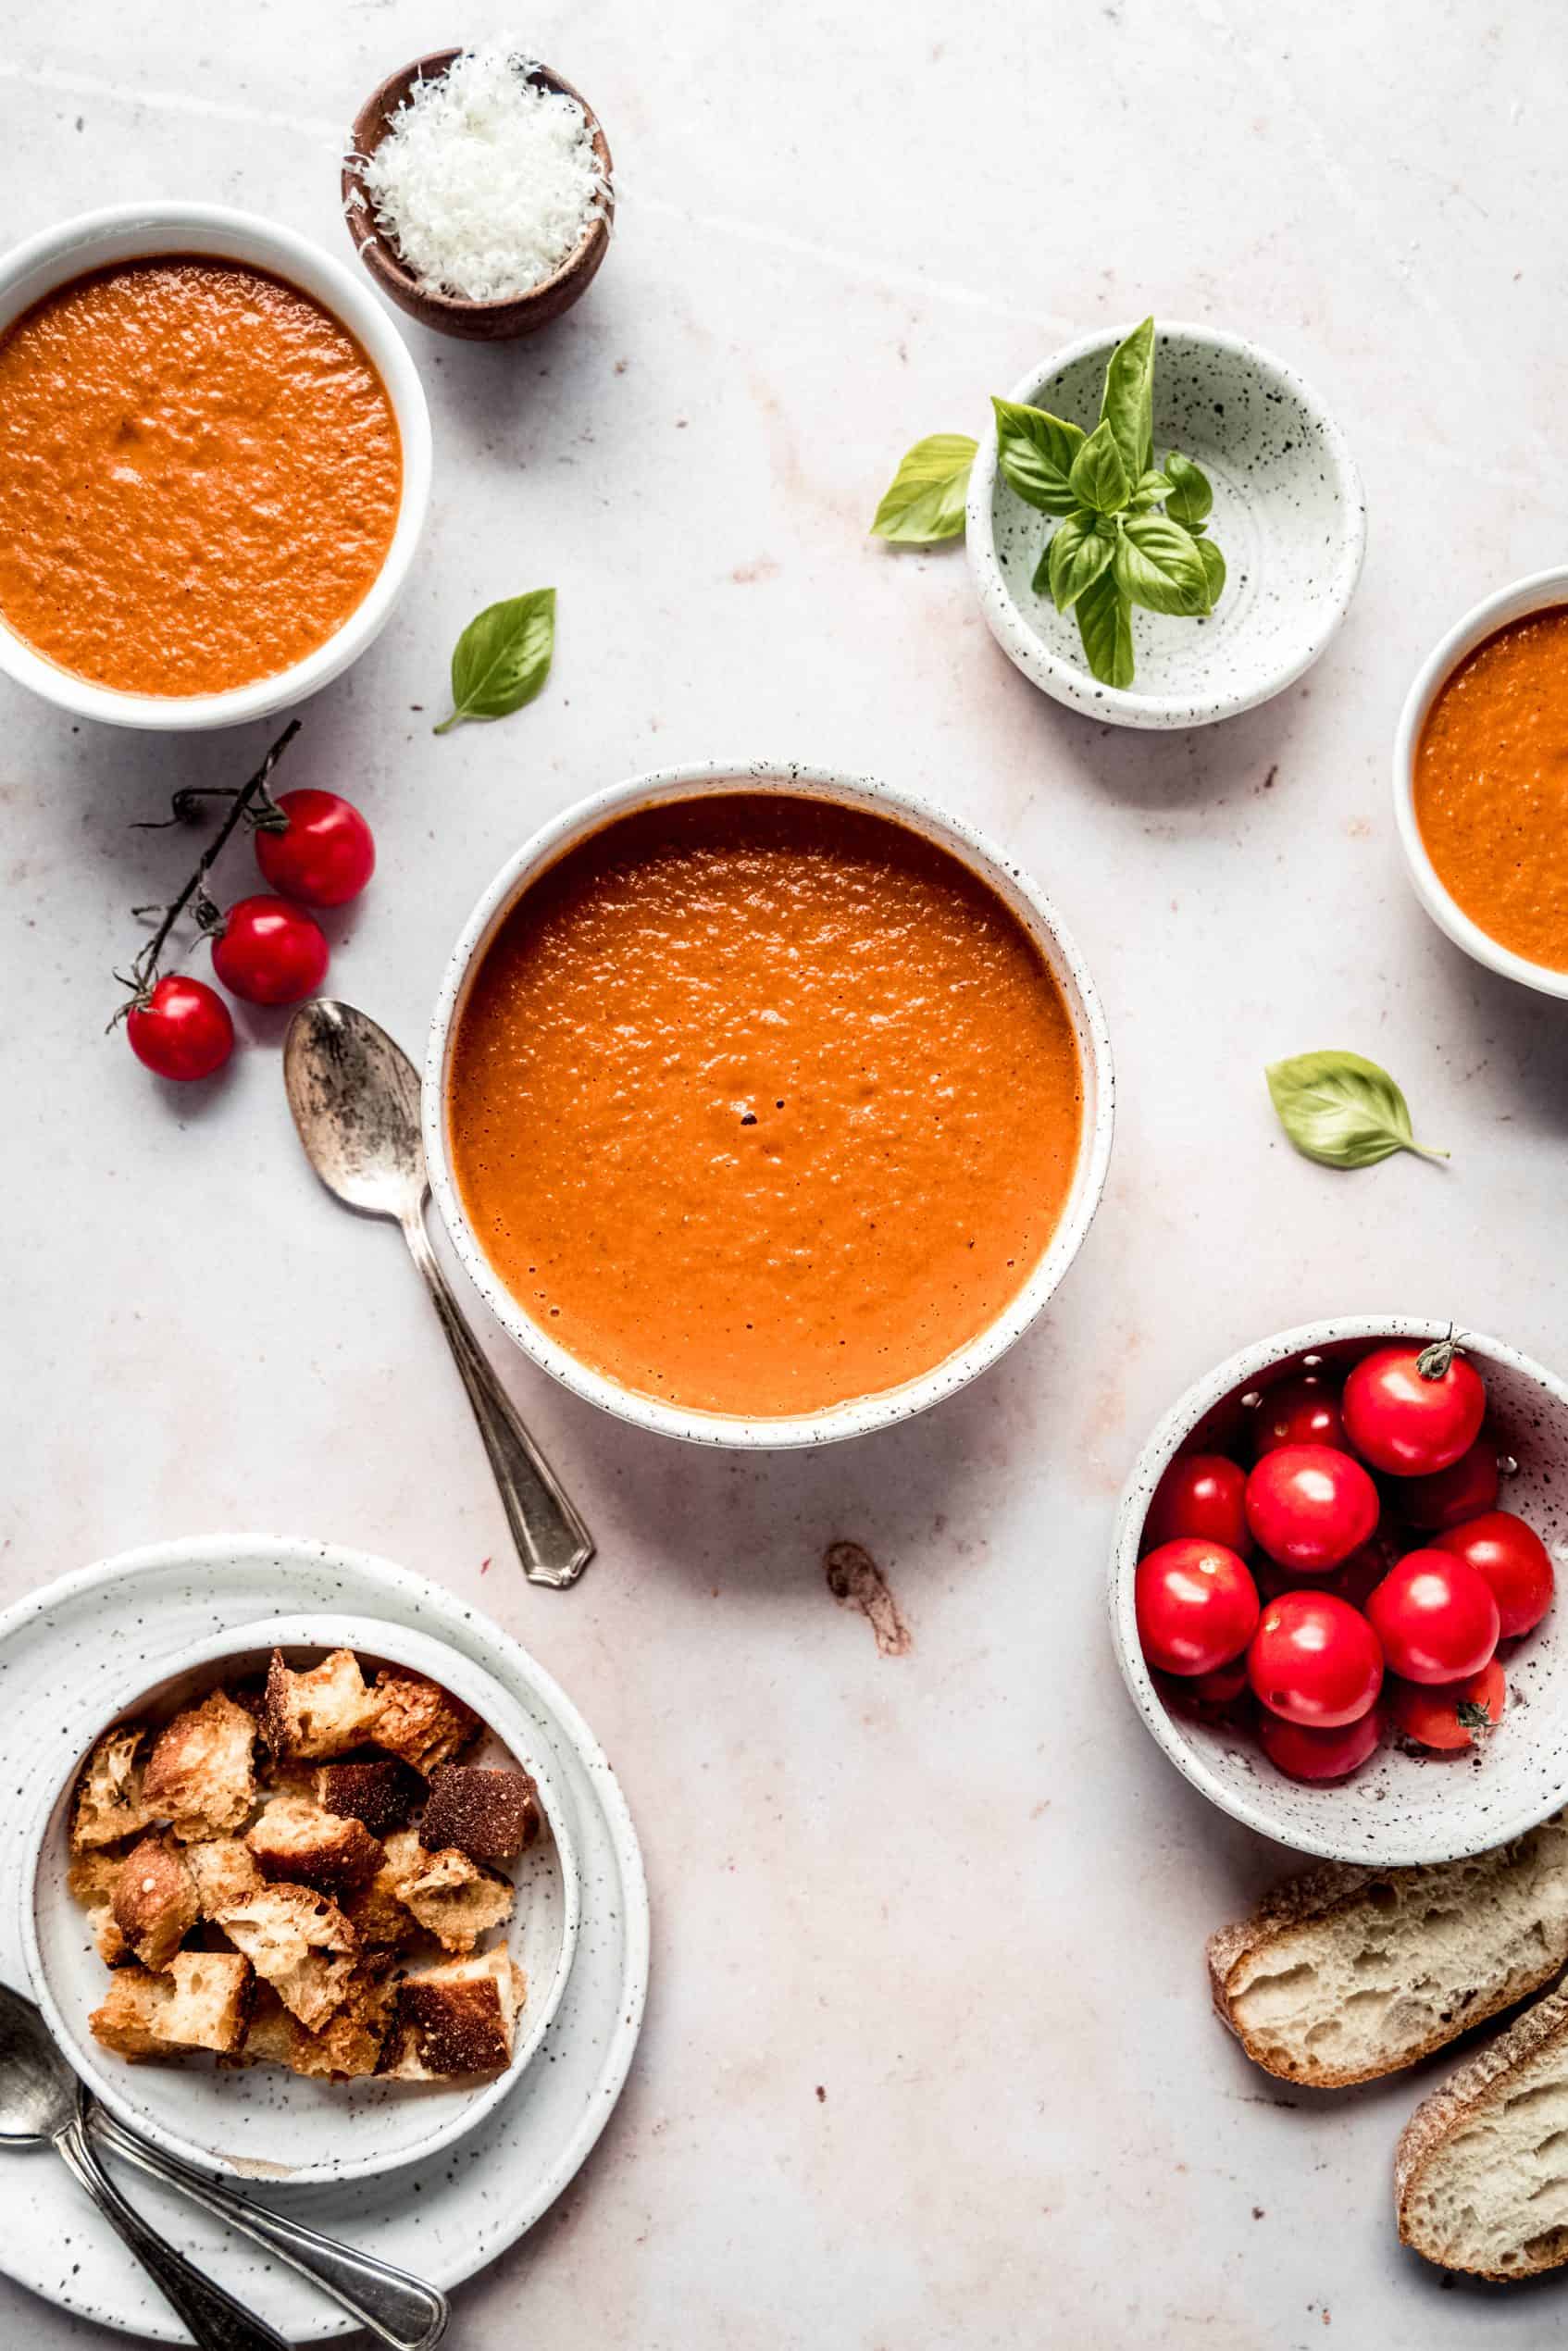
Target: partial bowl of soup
(214, 461)
(1481, 782)
(765, 1105)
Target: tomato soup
(200, 475)
(758, 1103)
(1491, 786)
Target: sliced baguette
(1345, 1974)
(1481, 2169)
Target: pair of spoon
(42, 2103)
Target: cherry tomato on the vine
(1448, 1716)
(1314, 1659)
(270, 953)
(326, 853)
(1405, 1422)
(1196, 1606)
(1299, 1412)
(184, 1030)
(1435, 1617)
(1311, 1506)
(1305, 1754)
(1513, 1561)
(1447, 1497)
(1199, 1494)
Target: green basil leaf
(924, 501)
(1190, 497)
(1105, 626)
(1159, 566)
(1213, 562)
(1036, 450)
(503, 658)
(1080, 549)
(1128, 403)
(1342, 1110)
(1148, 490)
(1100, 478)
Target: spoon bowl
(37, 2086)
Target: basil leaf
(1078, 553)
(1159, 566)
(1105, 626)
(1041, 583)
(924, 501)
(1100, 478)
(1128, 403)
(1190, 497)
(503, 658)
(1148, 490)
(1213, 562)
(1036, 450)
(1342, 1110)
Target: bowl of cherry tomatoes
(1333, 1588)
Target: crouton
(453, 1899)
(200, 2001)
(200, 1777)
(379, 1917)
(300, 1943)
(91, 1879)
(224, 1873)
(455, 2017)
(154, 1900)
(308, 1717)
(419, 1721)
(491, 1816)
(382, 1794)
(297, 1841)
(109, 1804)
(348, 2045)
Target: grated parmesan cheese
(485, 181)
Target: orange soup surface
(1491, 786)
(758, 1103)
(200, 475)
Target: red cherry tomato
(1316, 1660)
(1436, 1617)
(1305, 1754)
(1311, 1506)
(1223, 1695)
(1406, 1424)
(325, 855)
(184, 1030)
(1464, 1490)
(1450, 1715)
(1514, 1561)
(1359, 1577)
(1199, 1494)
(1298, 1412)
(270, 953)
(1196, 1606)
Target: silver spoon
(401, 2310)
(354, 1095)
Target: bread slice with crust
(201, 1774)
(200, 2001)
(297, 1841)
(109, 1806)
(300, 1943)
(155, 1899)
(457, 2018)
(1481, 2169)
(1345, 1973)
(313, 1716)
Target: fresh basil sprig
(503, 658)
(1131, 533)
(1342, 1110)
(924, 501)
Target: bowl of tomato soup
(1481, 782)
(765, 1105)
(215, 461)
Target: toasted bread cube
(297, 1841)
(383, 1793)
(379, 1915)
(108, 1805)
(419, 1721)
(308, 1717)
(300, 1943)
(224, 1873)
(155, 1899)
(200, 1777)
(491, 1816)
(90, 1878)
(457, 2018)
(453, 1898)
(349, 2044)
(200, 2001)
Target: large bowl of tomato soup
(1481, 782)
(765, 1105)
(215, 461)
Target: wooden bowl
(470, 321)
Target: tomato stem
(1434, 1361)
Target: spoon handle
(553, 1542)
(216, 2322)
(400, 2310)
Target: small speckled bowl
(261, 2122)
(1402, 1807)
(1288, 518)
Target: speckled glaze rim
(1395, 1846)
(421, 1653)
(865, 1415)
(1537, 592)
(125, 232)
(1126, 706)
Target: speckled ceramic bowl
(261, 2121)
(1401, 1807)
(1288, 518)
(1015, 889)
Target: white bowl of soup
(765, 1105)
(217, 441)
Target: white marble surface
(929, 2059)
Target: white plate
(445, 2221)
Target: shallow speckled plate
(444, 2219)
(1288, 518)
(1401, 1808)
